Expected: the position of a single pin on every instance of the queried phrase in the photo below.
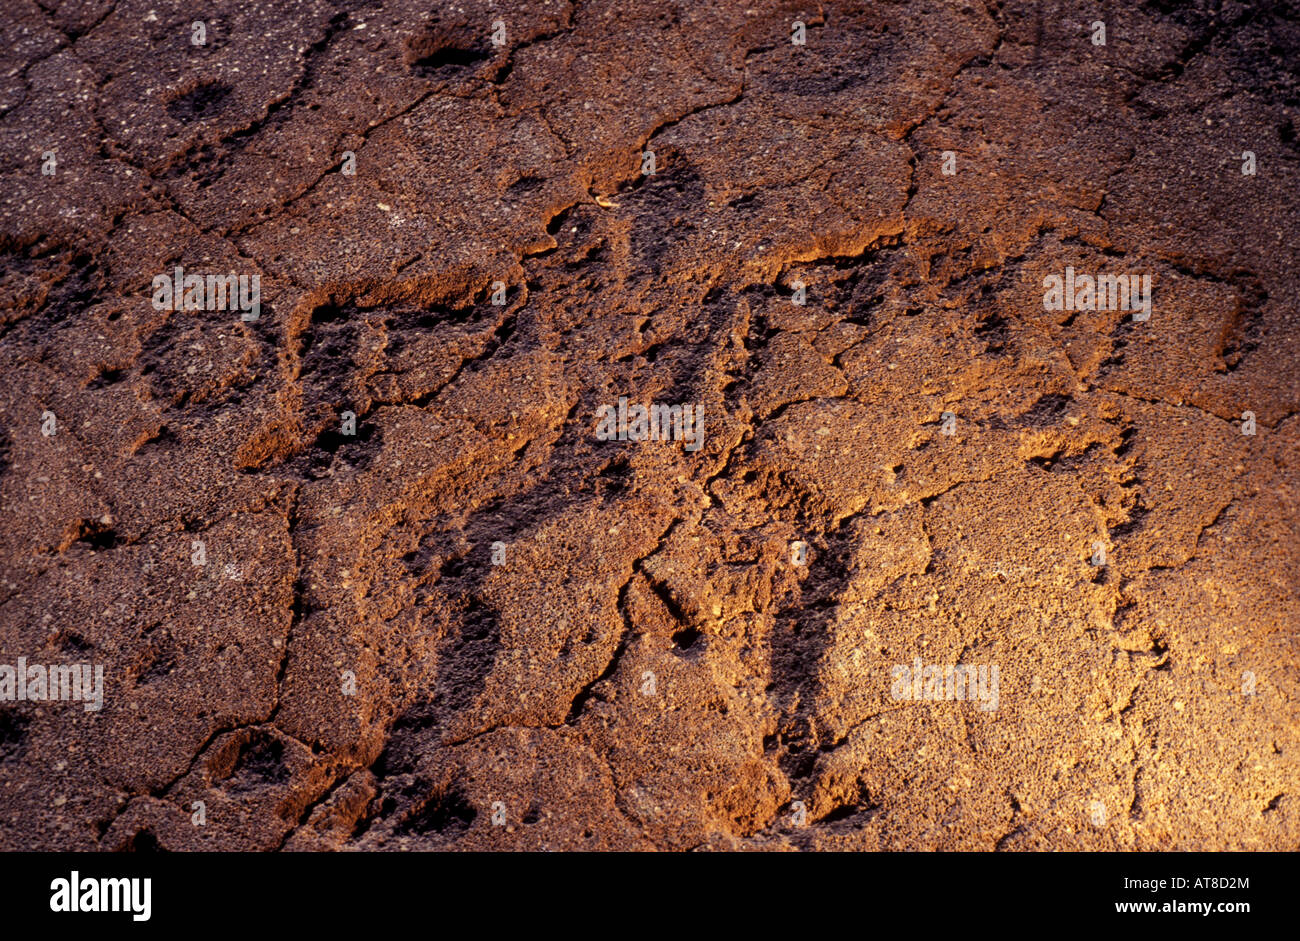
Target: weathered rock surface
(474, 624)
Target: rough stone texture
(1125, 686)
